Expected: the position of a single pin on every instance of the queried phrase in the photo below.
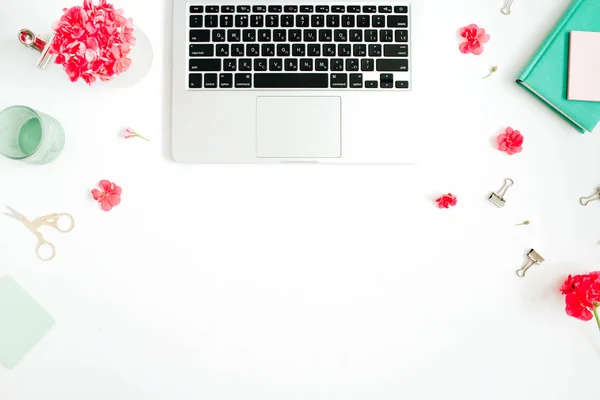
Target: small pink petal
(114, 199)
(477, 48)
(105, 185)
(106, 206)
(464, 48)
(484, 38)
(96, 194)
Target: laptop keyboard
(316, 47)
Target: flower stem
(143, 137)
(494, 69)
(595, 311)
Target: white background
(313, 281)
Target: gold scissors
(35, 225)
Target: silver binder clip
(506, 9)
(533, 258)
(585, 200)
(497, 199)
(34, 42)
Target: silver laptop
(305, 82)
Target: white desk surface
(313, 281)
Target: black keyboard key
(325, 35)
(212, 9)
(397, 21)
(306, 64)
(253, 50)
(260, 64)
(352, 64)
(268, 50)
(264, 35)
(245, 64)
(386, 77)
(385, 9)
(395, 50)
(237, 50)
(218, 35)
(401, 35)
(386, 35)
(321, 64)
(202, 50)
(314, 50)
(348, 21)
(242, 21)
(401, 84)
(196, 21)
(226, 21)
(287, 21)
(339, 80)
(310, 35)
(230, 64)
(199, 35)
(209, 64)
(400, 9)
(279, 35)
(306, 9)
(275, 64)
(340, 35)
(299, 50)
(302, 21)
(243, 80)
(333, 21)
(222, 50)
(356, 80)
(225, 80)
(293, 80)
(371, 35)
(387, 85)
(234, 35)
(227, 9)
(337, 64)
(390, 64)
(338, 9)
(249, 35)
(359, 50)
(257, 21)
(272, 21)
(243, 9)
(317, 21)
(196, 9)
(378, 21)
(322, 9)
(329, 50)
(353, 9)
(374, 50)
(290, 64)
(259, 9)
(283, 50)
(367, 64)
(275, 9)
(363, 21)
(195, 81)
(344, 50)
(211, 21)
(290, 9)
(369, 9)
(295, 35)
(356, 35)
(210, 80)
(371, 84)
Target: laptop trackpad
(298, 127)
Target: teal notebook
(547, 73)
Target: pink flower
(446, 201)
(510, 141)
(93, 42)
(109, 197)
(129, 133)
(475, 36)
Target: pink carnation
(93, 42)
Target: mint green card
(23, 322)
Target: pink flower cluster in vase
(93, 42)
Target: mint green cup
(30, 136)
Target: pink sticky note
(584, 66)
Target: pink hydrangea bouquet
(93, 42)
